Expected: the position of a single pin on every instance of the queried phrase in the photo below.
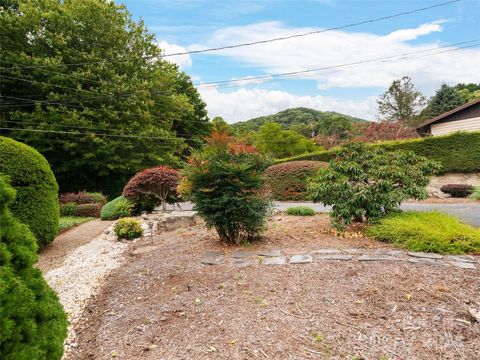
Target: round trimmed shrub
(152, 187)
(117, 208)
(33, 324)
(128, 228)
(458, 190)
(300, 211)
(288, 181)
(30, 175)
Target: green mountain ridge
(293, 116)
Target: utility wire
(260, 41)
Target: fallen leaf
(408, 296)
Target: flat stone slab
(354, 251)
(213, 258)
(461, 258)
(425, 255)
(243, 261)
(301, 259)
(378, 257)
(334, 257)
(241, 254)
(462, 265)
(427, 261)
(327, 251)
(272, 253)
(274, 260)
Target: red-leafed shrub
(386, 130)
(288, 181)
(88, 210)
(152, 187)
(82, 197)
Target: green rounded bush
(128, 228)
(300, 211)
(30, 175)
(117, 208)
(288, 181)
(33, 324)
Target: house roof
(448, 113)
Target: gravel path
(53, 255)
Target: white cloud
(243, 104)
(333, 48)
(183, 61)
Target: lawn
(68, 222)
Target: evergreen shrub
(36, 204)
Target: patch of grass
(475, 195)
(68, 222)
(300, 211)
(430, 231)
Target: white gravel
(81, 276)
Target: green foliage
(33, 324)
(291, 117)
(128, 228)
(273, 141)
(82, 197)
(445, 99)
(68, 222)
(427, 231)
(117, 208)
(363, 183)
(475, 195)
(68, 209)
(300, 211)
(458, 152)
(401, 102)
(150, 110)
(226, 189)
(36, 203)
(288, 181)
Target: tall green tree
(88, 87)
(446, 98)
(401, 102)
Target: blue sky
(190, 25)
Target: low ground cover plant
(457, 190)
(33, 324)
(152, 187)
(225, 183)
(300, 211)
(36, 203)
(128, 228)
(475, 195)
(363, 183)
(117, 208)
(288, 181)
(427, 231)
(68, 222)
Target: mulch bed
(163, 304)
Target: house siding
(447, 127)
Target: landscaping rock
(425, 255)
(301, 259)
(213, 258)
(272, 253)
(327, 251)
(463, 265)
(277, 260)
(461, 258)
(378, 257)
(334, 257)
(243, 261)
(241, 254)
(427, 261)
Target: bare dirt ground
(163, 304)
(54, 254)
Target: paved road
(468, 212)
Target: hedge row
(458, 152)
(288, 181)
(30, 175)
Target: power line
(255, 42)
(302, 72)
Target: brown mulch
(163, 304)
(53, 255)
